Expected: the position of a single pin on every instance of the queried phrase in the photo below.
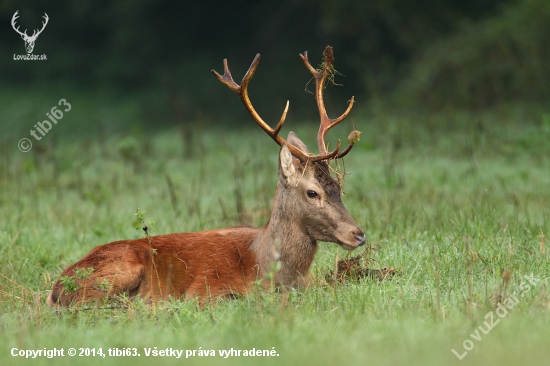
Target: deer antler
(242, 92)
(327, 123)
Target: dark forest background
(426, 54)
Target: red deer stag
(209, 264)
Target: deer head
(29, 40)
(311, 197)
(306, 190)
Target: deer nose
(360, 238)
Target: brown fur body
(209, 263)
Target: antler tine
(304, 58)
(326, 122)
(226, 78)
(277, 128)
(328, 156)
(242, 92)
(345, 152)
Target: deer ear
(294, 140)
(286, 164)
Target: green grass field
(458, 203)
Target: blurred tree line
(423, 53)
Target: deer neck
(284, 240)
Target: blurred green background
(426, 54)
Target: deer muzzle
(360, 238)
(354, 240)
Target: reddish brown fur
(216, 263)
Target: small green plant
(69, 283)
(140, 223)
(83, 273)
(103, 286)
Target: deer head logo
(29, 40)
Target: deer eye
(311, 194)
